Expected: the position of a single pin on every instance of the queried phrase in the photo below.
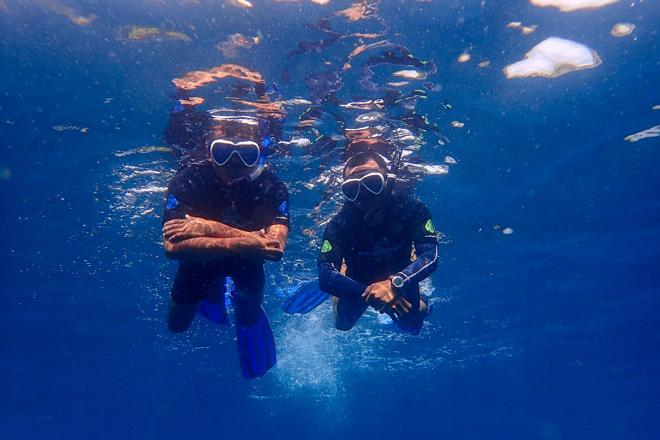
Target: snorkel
(266, 143)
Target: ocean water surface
(541, 174)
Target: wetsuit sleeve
(176, 205)
(278, 201)
(330, 260)
(425, 239)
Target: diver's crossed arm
(193, 227)
(210, 248)
(279, 233)
(194, 238)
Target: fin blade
(256, 347)
(305, 299)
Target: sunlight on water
(309, 356)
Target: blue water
(550, 332)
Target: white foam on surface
(553, 57)
(572, 5)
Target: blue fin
(213, 307)
(305, 299)
(256, 346)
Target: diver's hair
(378, 144)
(233, 128)
(364, 157)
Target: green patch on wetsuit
(327, 247)
(429, 227)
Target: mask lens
(249, 154)
(350, 189)
(373, 182)
(221, 152)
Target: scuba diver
(366, 253)
(225, 214)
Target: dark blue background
(550, 332)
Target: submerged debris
(525, 30)
(70, 128)
(622, 29)
(464, 57)
(357, 11)
(648, 133)
(410, 74)
(240, 3)
(417, 168)
(231, 45)
(143, 33)
(144, 150)
(553, 57)
(191, 101)
(370, 117)
(59, 8)
(296, 101)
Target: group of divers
(227, 213)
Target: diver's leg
(190, 286)
(254, 337)
(412, 322)
(347, 311)
(249, 278)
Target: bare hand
(271, 248)
(260, 245)
(190, 227)
(382, 297)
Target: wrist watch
(396, 280)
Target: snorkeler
(374, 235)
(224, 217)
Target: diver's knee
(180, 316)
(178, 327)
(344, 326)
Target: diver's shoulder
(268, 181)
(405, 200)
(406, 205)
(342, 219)
(194, 169)
(191, 173)
(269, 175)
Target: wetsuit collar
(373, 217)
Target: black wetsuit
(374, 251)
(250, 206)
